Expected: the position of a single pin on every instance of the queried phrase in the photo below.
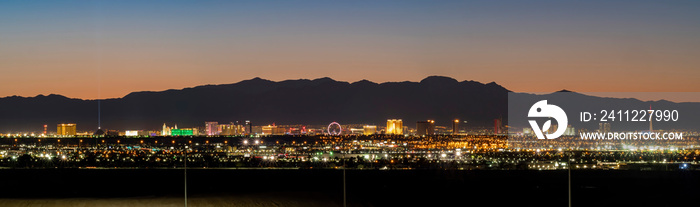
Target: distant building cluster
(273, 130)
(174, 131)
(394, 126)
(425, 128)
(604, 127)
(246, 128)
(66, 130)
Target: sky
(107, 49)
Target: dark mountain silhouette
(311, 102)
(318, 101)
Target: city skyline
(349, 103)
(434, 98)
(94, 50)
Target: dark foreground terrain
(228, 187)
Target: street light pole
(569, 166)
(186, 175)
(345, 201)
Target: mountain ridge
(300, 101)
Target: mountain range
(263, 102)
(310, 102)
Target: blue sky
(522, 45)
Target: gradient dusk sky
(106, 49)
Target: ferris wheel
(334, 128)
